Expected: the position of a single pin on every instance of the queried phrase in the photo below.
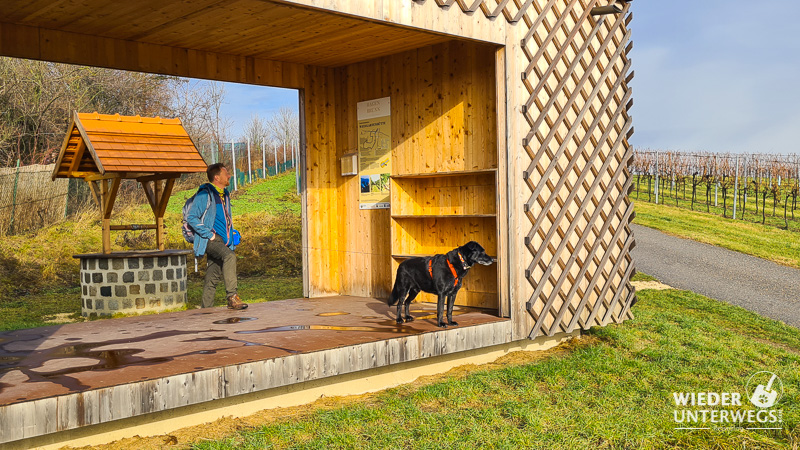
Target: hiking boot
(234, 302)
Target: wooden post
(159, 220)
(158, 198)
(109, 196)
(295, 157)
(162, 208)
(263, 159)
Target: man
(212, 224)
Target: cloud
(716, 76)
(243, 101)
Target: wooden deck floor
(92, 372)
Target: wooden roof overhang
(105, 149)
(297, 32)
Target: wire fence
(250, 162)
(31, 200)
(761, 188)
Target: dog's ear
(473, 246)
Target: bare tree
(37, 100)
(283, 126)
(219, 125)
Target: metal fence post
(235, 175)
(284, 154)
(14, 201)
(736, 188)
(657, 189)
(275, 154)
(249, 169)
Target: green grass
(39, 276)
(639, 276)
(613, 389)
(747, 214)
(251, 290)
(275, 195)
(763, 241)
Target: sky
(711, 75)
(717, 76)
(242, 101)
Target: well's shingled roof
(114, 144)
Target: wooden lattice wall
(579, 242)
(577, 247)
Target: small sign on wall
(375, 153)
(349, 164)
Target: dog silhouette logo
(767, 389)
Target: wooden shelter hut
(506, 122)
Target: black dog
(438, 274)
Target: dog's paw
(409, 318)
(453, 323)
(399, 320)
(442, 325)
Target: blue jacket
(204, 229)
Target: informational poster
(374, 153)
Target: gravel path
(758, 285)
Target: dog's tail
(395, 294)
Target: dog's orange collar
(463, 263)
(452, 269)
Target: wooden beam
(76, 162)
(165, 194)
(106, 222)
(151, 196)
(99, 176)
(160, 210)
(95, 193)
(159, 176)
(112, 197)
(134, 227)
(63, 150)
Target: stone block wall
(112, 284)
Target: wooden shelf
(444, 174)
(439, 216)
(494, 258)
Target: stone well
(132, 282)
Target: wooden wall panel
(438, 124)
(322, 183)
(443, 131)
